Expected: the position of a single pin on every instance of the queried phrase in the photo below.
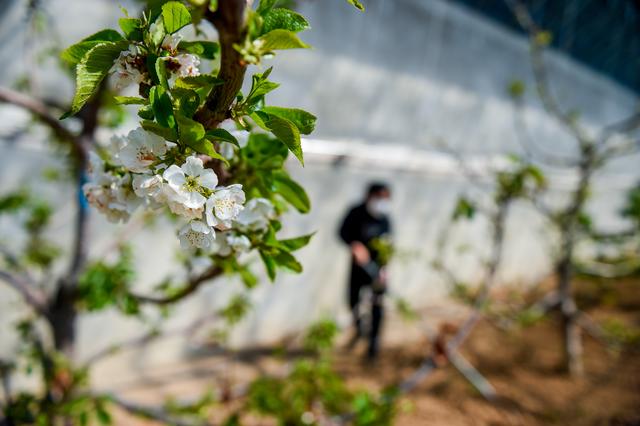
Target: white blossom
(112, 196)
(181, 210)
(170, 42)
(196, 234)
(239, 243)
(229, 242)
(188, 65)
(140, 150)
(256, 214)
(185, 184)
(149, 187)
(224, 206)
(126, 69)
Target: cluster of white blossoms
(130, 67)
(138, 174)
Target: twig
(34, 298)
(193, 285)
(41, 111)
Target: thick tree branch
(192, 285)
(35, 298)
(229, 20)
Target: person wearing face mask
(363, 225)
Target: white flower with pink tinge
(140, 149)
(126, 69)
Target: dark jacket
(360, 226)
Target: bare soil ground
(523, 365)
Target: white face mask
(378, 207)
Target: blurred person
(364, 226)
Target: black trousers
(356, 285)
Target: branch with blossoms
(205, 153)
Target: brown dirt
(523, 366)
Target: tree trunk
(62, 317)
(572, 340)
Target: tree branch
(41, 111)
(550, 103)
(32, 296)
(229, 20)
(193, 285)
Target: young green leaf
(269, 264)
(161, 72)
(175, 15)
(356, 4)
(280, 40)
(204, 49)
(288, 261)
(287, 133)
(201, 84)
(162, 106)
(293, 193)
(222, 135)
(283, 19)
(163, 132)
(91, 70)
(146, 112)
(293, 244)
(129, 100)
(187, 100)
(74, 53)
(265, 6)
(204, 146)
(131, 27)
(304, 121)
(190, 131)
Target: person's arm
(349, 234)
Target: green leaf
(265, 6)
(163, 132)
(204, 146)
(293, 193)
(222, 135)
(248, 279)
(175, 16)
(204, 49)
(269, 264)
(284, 19)
(357, 4)
(304, 121)
(92, 70)
(131, 27)
(287, 133)
(201, 84)
(146, 112)
(293, 244)
(162, 106)
(190, 131)
(187, 100)
(129, 100)
(260, 86)
(74, 53)
(280, 40)
(161, 72)
(288, 261)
